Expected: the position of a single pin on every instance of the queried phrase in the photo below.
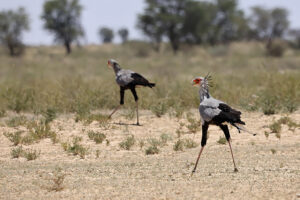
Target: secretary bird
(128, 79)
(215, 112)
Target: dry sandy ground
(122, 174)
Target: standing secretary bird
(215, 112)
(128, 79)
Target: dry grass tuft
(127, 143)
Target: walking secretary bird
(128, 79)
(215, 112)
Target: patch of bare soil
(269, 168)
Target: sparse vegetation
(31, 154)
(39, 130)
(55, 180)
(189, 143)
(50, 115)
(267, 134)
(15, 138)
(83, 92)
(17, 121)
(75, 147)
(87, 118)
(97, 153)
(178, 146)
(273, 151)
(159, 109)
(17, 152)
(127, 143)
(164, 138)
(97, 137)
(141, 144)
(194, 125)
(275, 127)
(222, 140)
(152, 150)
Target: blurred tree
(12, 25)
(267, 23)
(163, 18)
(123, 33)
(260, 23)
(197, 25)
(106, 34)
(280, 22)
(229, 22)
(151, 27)
(295, 34)
(62, 17)
(194, 22)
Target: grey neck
(117, 68)
(203, 92)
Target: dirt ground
(269, 168)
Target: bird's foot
(236, 170)
(193, 172)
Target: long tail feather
(242, 128)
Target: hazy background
(119, 13)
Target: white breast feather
(209, 109)
(124, 77)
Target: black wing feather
(140, 80)
(228, 114)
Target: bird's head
(111, 63)
(197, 81)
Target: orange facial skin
(197, 81)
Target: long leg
(137, 105)
(227, 135)
(203, 143)
(122, 90)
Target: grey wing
(209, 109)
(123, 77)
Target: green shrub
(57, 179)
(15, 138)
(31, 154)
(39, 130)
(222, 140)
(17, 121)
(152, 150)
(75, 147)
(193, 125)
(275, 127)
(273, 151)
(127, 143)
(159, 109)
(189, 143)
(17, 152)
(276, 48)
(97, 137)
(269, 104)
(50, 115)
(164, 138)
(178, 146)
